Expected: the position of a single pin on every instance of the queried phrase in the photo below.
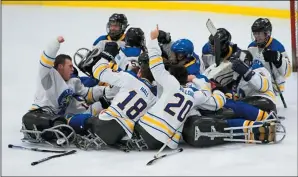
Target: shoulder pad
(100, 38)
(206, 49)
(131, 51)
(276, 46)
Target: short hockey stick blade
(165, 155)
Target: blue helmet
(183, 46)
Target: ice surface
(26, 30)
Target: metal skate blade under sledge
(90, 141)
(230, 136)
(62, 140)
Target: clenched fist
(60, 39)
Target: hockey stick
(165, 155)
(213, 30)
(156, 156)
(278, 89)
(53, 156)
(34, 149)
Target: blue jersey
(281, 73)
(194, 66)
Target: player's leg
(246, 111)
(42, 126)
(261, 103)
(148, 140)
(265, 131)
(109, 130)
(200, 131)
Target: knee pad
(198, 131)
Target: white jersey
(134, 98)
(166, 118)
(127, 58)
(100, 43)
(52, 91)
(281, 73)
(216, 99)
(259, 85)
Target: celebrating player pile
(137, 96)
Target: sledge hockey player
(208, 49)
(183, 51)
(220, 73)
(58, 95)
(134, 46)
(135, 97)
(256, 105)
(116, 27)
(270, 52)
(163, 122)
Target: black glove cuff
(278, 61)
(248, 75)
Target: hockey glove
(163, 37)
(110, 51)
(242, 69)
(273, 56)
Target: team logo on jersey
(64, 100)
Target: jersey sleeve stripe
(48, 56)
(156, 65)
(264, 84)
(288, 70)
(190, 63)
(46, 61)
(216, 106)
(90, 95)
(155, 61)
(98, 70)
(271, 94)
(45, 65)
(219, 100)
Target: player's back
(131, 102)
(127, 56)
(169, 113)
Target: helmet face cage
(261, 31)
(225, 39)
(117, 25)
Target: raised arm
(48, 56)
(160, 74)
